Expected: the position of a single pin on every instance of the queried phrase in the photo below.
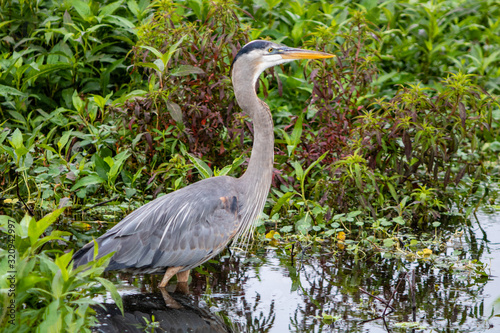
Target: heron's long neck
(261, 160)
(256, 181)
(260, 166)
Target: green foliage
(446, 36)
(128, 100)
(414, 150)
(49, 294)
(58, 72)
(132, 99)
(76, 46)
(189, 61)
(411, 158)
(417, 40)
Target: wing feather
(183, 228)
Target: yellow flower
(273, 235)
(340, 240)
(270, 234)
(427, 252)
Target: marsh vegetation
(384, 155)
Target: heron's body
(185, 228)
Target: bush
(189, 62)
(48, 294)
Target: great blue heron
(185, 228)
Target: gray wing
(183, 228)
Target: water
(487, 229)
(270, 292)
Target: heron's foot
(169, 301)
(171, 271)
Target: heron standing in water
(183, 229)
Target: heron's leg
(171, 271)
(169, 301)
(182, 277)
(182, 287)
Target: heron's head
(258, 55)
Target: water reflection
(268, 292)
(145, 312)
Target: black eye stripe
(255, 45)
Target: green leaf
(388, 242)
(95, 28)
(299, 172)
(281, 201)
(304, 224)
(82, 8)
(86, 181)
(392, 191)
(152, 65)
(18, 117)
(100, 101)
(52, 318)
(166, 57)
(109, 9)
(175, 112)
(117, 165)
(46, 69)
(3, 136)
(157, 53)
(5, 23)
(77, 102)
(160, 65)
(313, 164)
(201, 166)
(54, 235)
(17, 139)
(369, 4)
(62, 262)
(134, 7)
(109, 161)
(23, 229)
(102, 168)
(357, 178)
(123, 22)
(399, 220)
(183, 70)
(112, 290)
(7, 91)
(285, 136)
(354, 213)
(330, 232)
(63, 140)
(35, 229)
(21, 152)
(297, 130)
(196, 6)
(224, 171)
(228, 168)
(96, 249)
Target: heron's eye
(270, 50)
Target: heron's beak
(291, 53)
